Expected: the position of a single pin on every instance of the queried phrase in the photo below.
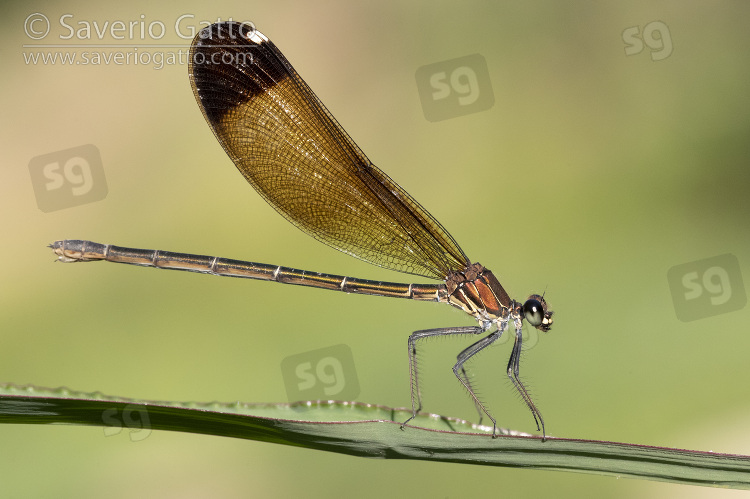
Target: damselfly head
(536, 313)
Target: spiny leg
(513, 370)
(467, 379)
(460, 372)
(464, 373)
(416, 395)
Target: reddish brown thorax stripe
(477, 291)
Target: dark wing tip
(231, 62)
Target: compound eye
(533, 312)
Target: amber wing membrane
(295, 154)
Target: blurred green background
(592, 175)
